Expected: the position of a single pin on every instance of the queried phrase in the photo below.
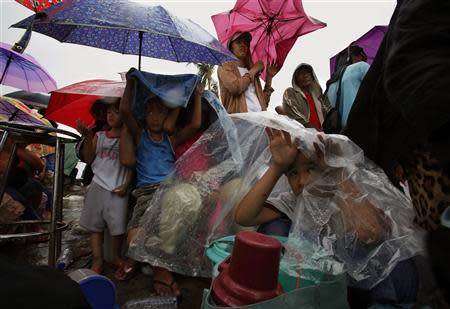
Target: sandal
(97, 269)
(168, 285)
(126, 270)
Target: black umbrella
(32, 99)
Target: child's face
(156, 115)
(301, 173)
(113, 116)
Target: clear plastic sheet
(348, 219)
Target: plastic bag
(331, 293)
(364, 232)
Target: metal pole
(60, 195)
(141, 35)
(5, 177)
(56, 198)
(3, 141)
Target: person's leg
(115, 215)
(92, 220)
(143, 195)
(97, 251)
(129, 266)
(116, 243)
(401, 286)
(164, 283)
(277, 227)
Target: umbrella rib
(291, 18)
(126, 42)
(261, 6)
(259, 40)
(26, 77)
(173, 48)
(281, 7)
(65, 37)
(250, 19)
(42, 81)
(7, 65)
(108, 27)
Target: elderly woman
(304, 101)
(240, 87)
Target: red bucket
(250, 274)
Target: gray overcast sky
(69, 63)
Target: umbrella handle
(141, 35)
(25, 39)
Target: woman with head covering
(303, 101)
(350, 75)
(240, 87)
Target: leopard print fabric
(429, 189)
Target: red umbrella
(38, 5)
(274, 26)
(74, 101)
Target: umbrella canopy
(75, 101)
(23, 71)
(14, 110)
(129, 28)
(33, 99)
(274, 26)
(38, 5)
(370, 42)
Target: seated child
(360, 218)
(155, 160)
(257, 209)
(106, 198)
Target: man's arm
(196, 121)
(125, 111)
(127, 148)
(90, 142)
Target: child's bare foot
(164, 283)
(116, 263)
(97, 265)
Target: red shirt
(313, 117)
(199, 160)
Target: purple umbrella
(23, 71)
(369, 42)
(129, 28)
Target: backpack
(332, 122)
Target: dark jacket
(403, 102)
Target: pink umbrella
(74, 101)
(274, 26)
(23, 71)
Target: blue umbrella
(129, 28)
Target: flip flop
(126, 271)
(168, 285)
(97, 269)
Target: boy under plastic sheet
(331, 231)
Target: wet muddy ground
(138, 287)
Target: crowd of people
(395, 110)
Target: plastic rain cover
(348, 218)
